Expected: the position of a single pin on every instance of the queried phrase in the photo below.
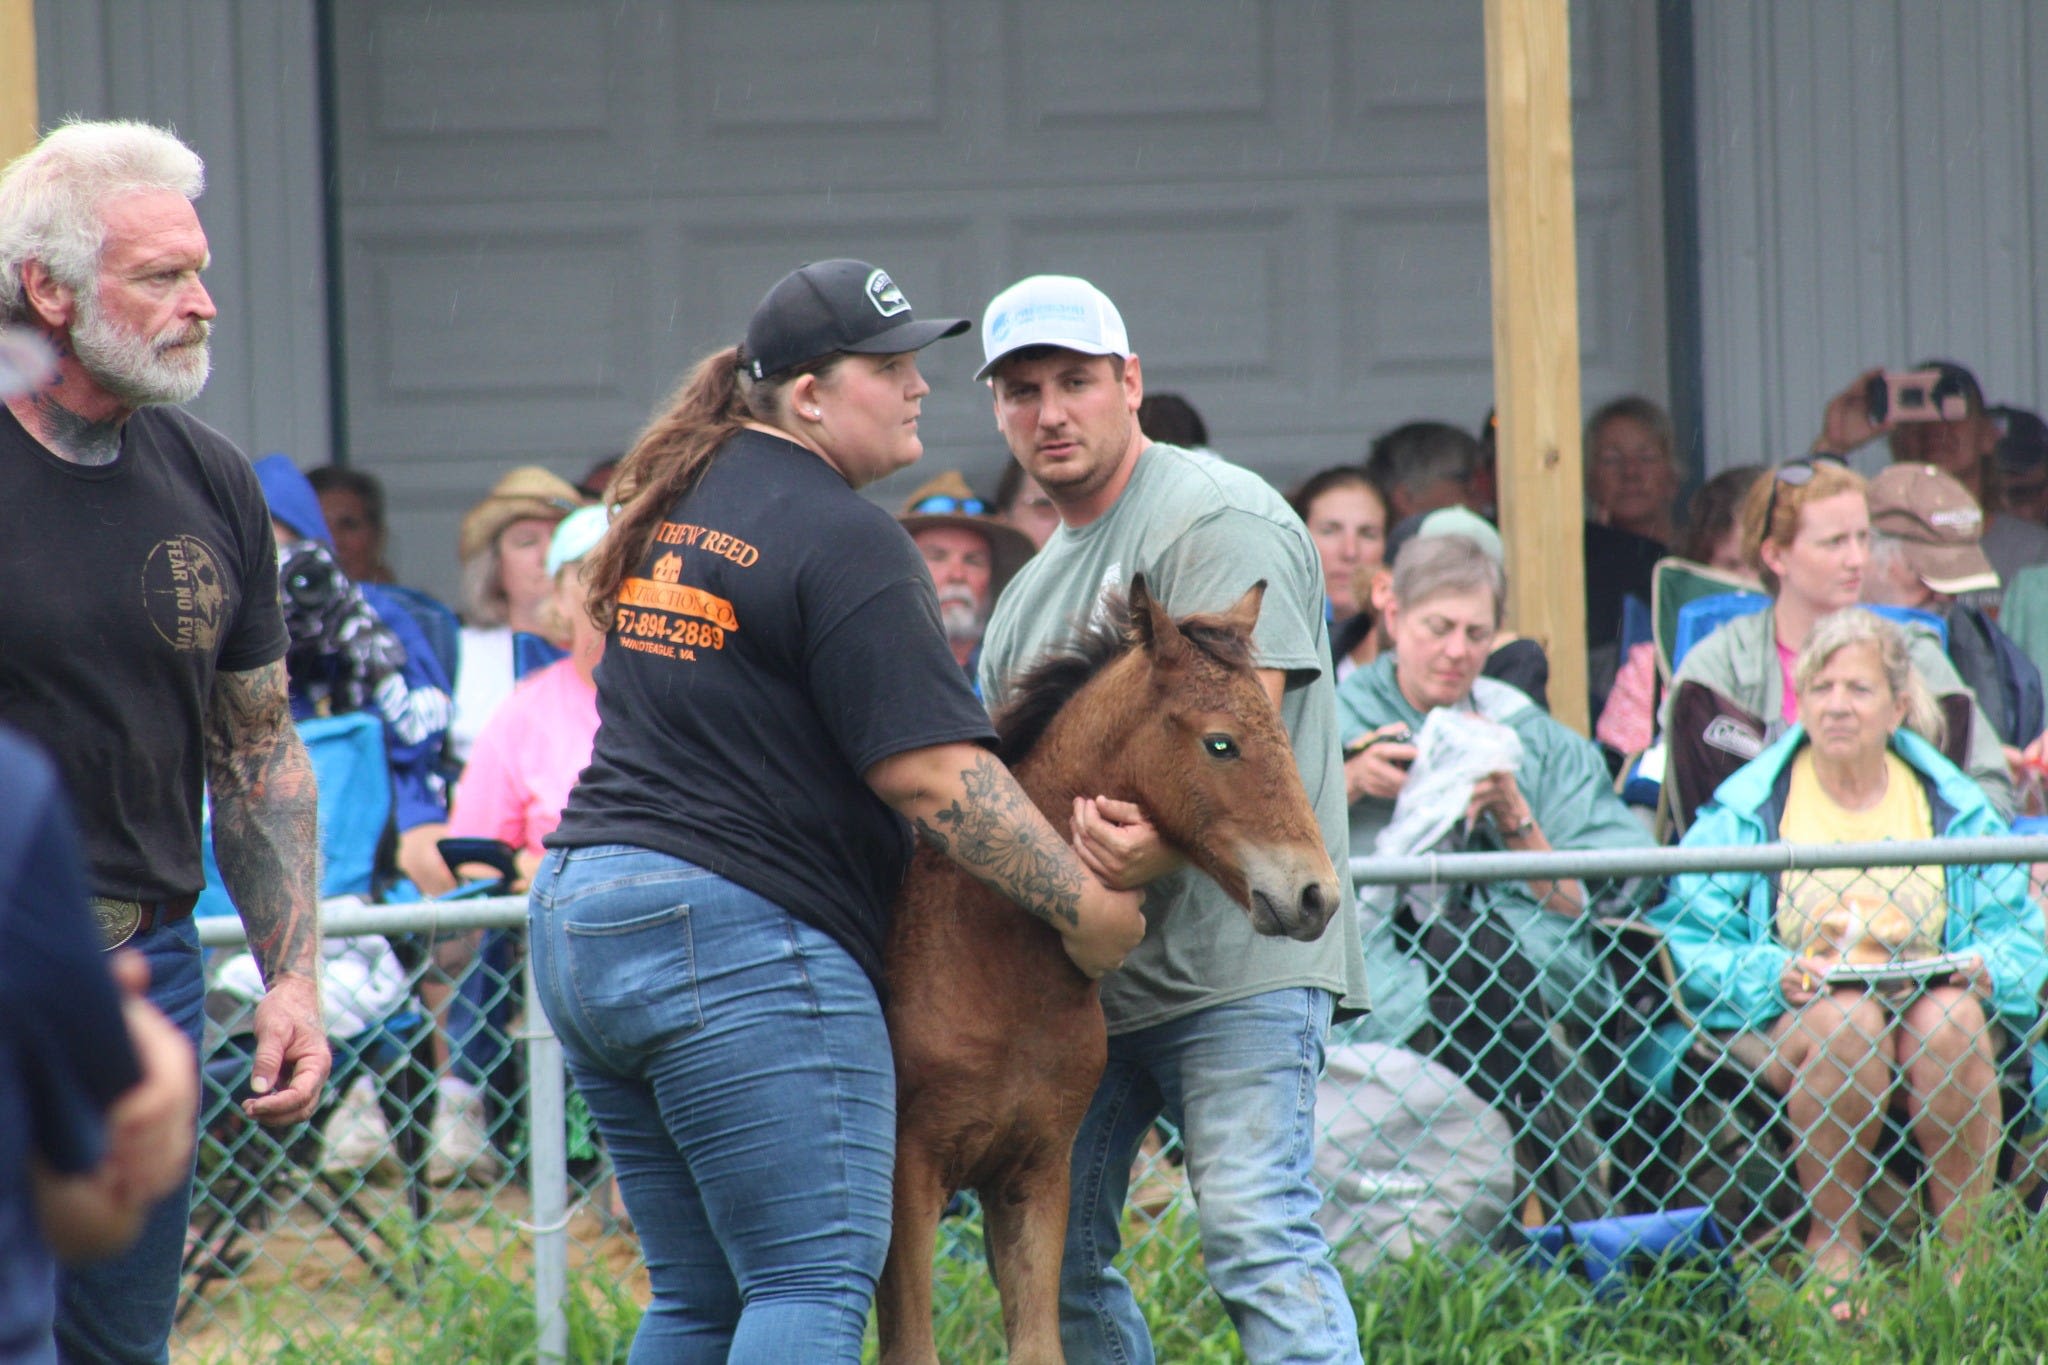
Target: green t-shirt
(1202, 531)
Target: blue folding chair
(240, 1189)
(531, 653)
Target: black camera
(310, 587)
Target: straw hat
(947, 501)
(528, 491)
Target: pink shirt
(1788, 708)
(526, 758)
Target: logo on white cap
(887, 298)
(1051, 310)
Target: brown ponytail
(663, 464)
(717, 399)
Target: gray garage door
(550, 207)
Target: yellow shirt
(1849, 914)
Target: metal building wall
(1871, 193)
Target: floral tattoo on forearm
(1001, 840)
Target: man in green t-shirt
(1212, 1025)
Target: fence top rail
(1428, 869)
(348, 917)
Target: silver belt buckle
(118, 921)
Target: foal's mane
(1045, 689)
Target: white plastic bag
(1455, 752)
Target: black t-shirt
(780, 638)
(123, 589)
(1618, 563)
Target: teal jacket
(1721, 926)
(1565, 782)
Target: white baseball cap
(1051, 310)
(576, 535)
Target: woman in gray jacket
(1807, 528)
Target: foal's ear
(1156, 631)
(1245, 613)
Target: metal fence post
(548, 1174)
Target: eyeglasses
(943, 504)
(1798, 474)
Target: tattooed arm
(265, 837)
(966, 805)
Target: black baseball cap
(837, 305)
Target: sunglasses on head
(1798, 474)
(943, 504)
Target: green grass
(1430, 1310)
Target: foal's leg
(903, 1299)
(1026, 1222)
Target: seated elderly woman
(1444, 611)
(1769, 960)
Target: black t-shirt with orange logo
(124, 588)
(780, 637)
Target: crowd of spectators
(1805, 695)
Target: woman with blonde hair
(1806, 528)
(1810, 975)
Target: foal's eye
(1220, 746)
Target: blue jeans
(735, 1061)
(1239, 1081)
(119, 1311)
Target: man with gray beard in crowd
(970, 555)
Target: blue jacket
(1721, 927)
(415, 704)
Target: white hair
(1839, 630)
(51, 197)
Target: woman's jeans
(736, 1063)
(1239, 1081)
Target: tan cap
(946, 500)
(1938, 523)
(528, 491)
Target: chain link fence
(1524, 1069)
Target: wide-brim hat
(946, 500)
(528, 491)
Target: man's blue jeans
(1239, 1082)
(736, 1063)
(118, 1311)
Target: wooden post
(1536, 335)
(19, 118)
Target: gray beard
(139, 371)
(961, 619)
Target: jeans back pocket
(631, 962)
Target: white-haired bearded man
(140, 633)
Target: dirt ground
(242, 1318)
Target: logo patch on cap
(883, 293)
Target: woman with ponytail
(778, 709)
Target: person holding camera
(1934, 414)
